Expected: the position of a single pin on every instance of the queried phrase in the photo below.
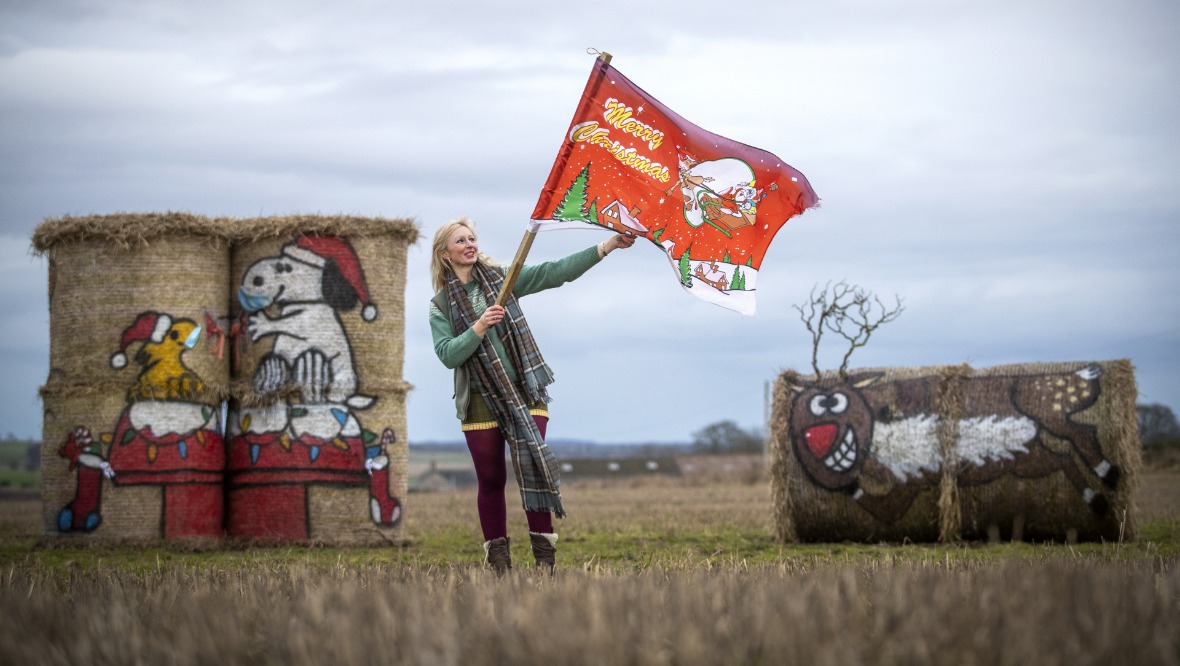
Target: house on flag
(624, 221)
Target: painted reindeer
(847, 430)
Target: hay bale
(317, 427)
(1043, 451)
(131, 441)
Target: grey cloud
(1007, 168)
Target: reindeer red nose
(820, 438)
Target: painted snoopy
(311, 282)
(314, 279)
(296, 300)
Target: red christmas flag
(633, 165)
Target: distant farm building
(437, 480)
(597, 468)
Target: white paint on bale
(325, 421)
(908, 447)
(988, 438)
(171, 418)
(260, 420)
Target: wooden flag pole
(526, 243)
(514, 270)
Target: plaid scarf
(534, 464)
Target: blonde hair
(440, 266)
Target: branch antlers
(845, 310)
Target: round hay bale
(1088, 431)
(1039, 451)
(134, 385)
(96, 491)
(105, 271)
(317, 427)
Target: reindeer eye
(838, 403)
(822, 404)
(818, 405)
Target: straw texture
(149, 337)
(1037, 451)
(126, 292)
(319, 393)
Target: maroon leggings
(491, 471)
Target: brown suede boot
(544, 550)
(497, 555)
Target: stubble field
(664, 571)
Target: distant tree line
(17, 454)
(1158, 428)
(727, 437)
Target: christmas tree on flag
(712, 205)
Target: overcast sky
(1009, 168)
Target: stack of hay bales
(154, 332)
(1038, 451)
(128, 394)
(317, 429)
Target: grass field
(667, 571)
(14, 457)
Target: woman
(500, 379)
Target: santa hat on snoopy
(319, 250)
(149, 326)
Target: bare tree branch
(845, 310)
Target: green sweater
(454, 350)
